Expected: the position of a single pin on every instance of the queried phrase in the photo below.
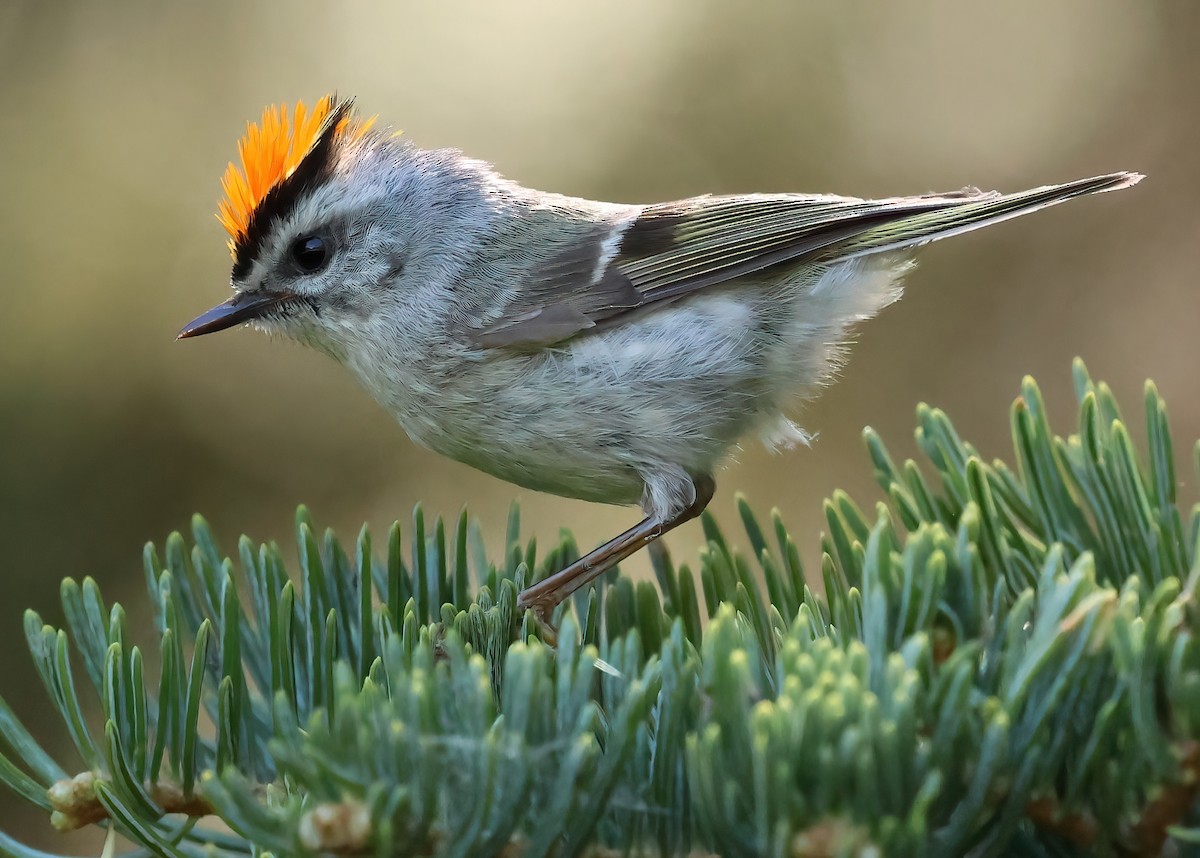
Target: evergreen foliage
(1005, 661)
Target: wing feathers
(975, 214)
(732, 237)
(671, 249)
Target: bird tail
(967, 210)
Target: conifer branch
(1004, 660)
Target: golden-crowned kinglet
(607, 352)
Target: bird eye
(310, 253)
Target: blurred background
(121, 118)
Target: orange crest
(269, 153)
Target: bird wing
(670, 250)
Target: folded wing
(671, 250)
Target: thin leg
(547, 594)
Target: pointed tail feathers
(968, 210)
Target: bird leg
(547, 594)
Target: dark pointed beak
(243, 307)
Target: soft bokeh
(119, 119)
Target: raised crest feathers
(270, 152)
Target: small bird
(613, 353)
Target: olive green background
(119, 119)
